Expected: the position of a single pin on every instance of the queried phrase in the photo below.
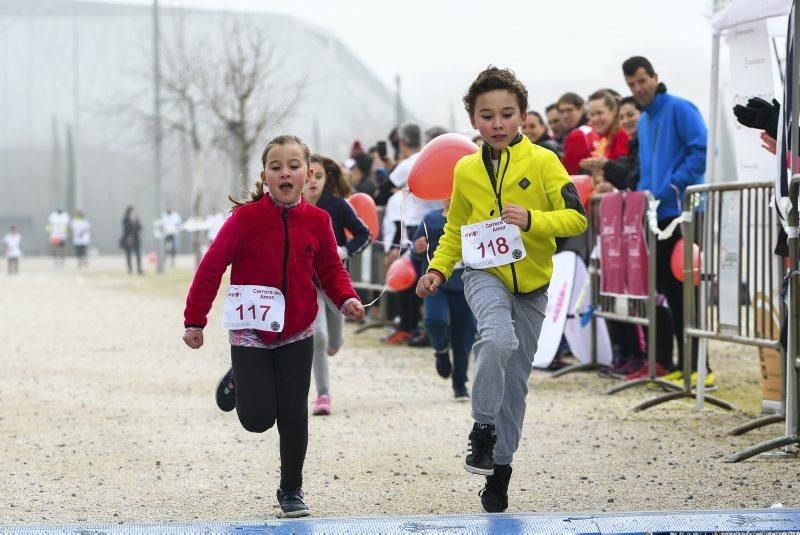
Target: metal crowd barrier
(790, 360)
(733, 226)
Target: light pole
(159, 202)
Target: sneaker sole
(322, 412)
(296, 514)
(461, 399)
(225, 402)
(479, 471)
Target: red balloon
(676, 261)
(55, 241)
(152, 258)
(401, 275)
(431, 175)
(364, 207)
(585, 187)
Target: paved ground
(106, 417)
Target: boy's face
(497, 117)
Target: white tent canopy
(743, 11)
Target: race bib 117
(254, 307)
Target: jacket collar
(658, 101)
(487, 150)
(324, 199)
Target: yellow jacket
(529, 176)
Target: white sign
(579, 336)
(254, 307)
(751, 76)
(491, 243)
(559, 297)
(729, 261)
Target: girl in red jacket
(274, 243)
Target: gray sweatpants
(328, 333)
(509, 326)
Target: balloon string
(403, 227)
(389, 278)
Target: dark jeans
(672, 288)
(137, 250)
(449, 323)
(13, 266)
(272, 385)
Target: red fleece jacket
(283, 248)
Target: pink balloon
(401, 275)
(152, 257)
(431, 176)
(364, 207)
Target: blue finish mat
(742, 521)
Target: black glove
(759, 114)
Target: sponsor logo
(516, 254)
(275, 326)
(524, 183)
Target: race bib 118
(491, 243)
(254, 307)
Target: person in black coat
(131, 239)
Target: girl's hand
(429, 284)
(421, 245)
(354, 310)
(193, 338)
(515, 215)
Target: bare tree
(244, 94)
(186, 112)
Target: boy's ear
(472, 122)
(524, 116)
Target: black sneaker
(292, 503)
(480, 459)
(226, 392)
(461, 393)
(494, 496)
(443, 366)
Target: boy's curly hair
(493, 78)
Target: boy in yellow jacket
(510, 201)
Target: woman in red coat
(613, 139)
(274, 243)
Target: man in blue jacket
(672, 156)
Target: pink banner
(635, 244)
(612, 253)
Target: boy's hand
(421, 245)
(515, 215)
(193, 338)
(429, 284)
(354, 310)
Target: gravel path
(106, 417)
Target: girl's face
(286, 172)
(629, 117)
(601, 117)
(497, 117)
(316, 183)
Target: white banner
(751, 76)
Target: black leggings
(672, 288)
(272, 384)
